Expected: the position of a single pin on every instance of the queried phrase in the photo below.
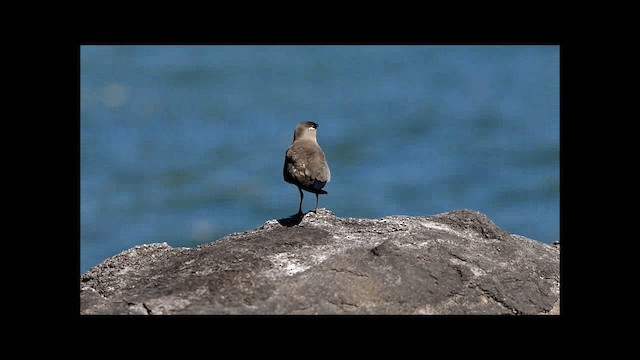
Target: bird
(305, 165)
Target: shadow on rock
(292, 220)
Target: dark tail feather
(312, 190)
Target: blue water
(185, 144)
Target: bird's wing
(306, 164)
(295, 168)
(322, 172)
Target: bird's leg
(301, 197)
(316, 210)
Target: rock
(457, 262)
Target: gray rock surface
(457, 262)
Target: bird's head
(305, 129)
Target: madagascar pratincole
(305, 165)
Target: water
(185, 144)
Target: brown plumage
(305, 164)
